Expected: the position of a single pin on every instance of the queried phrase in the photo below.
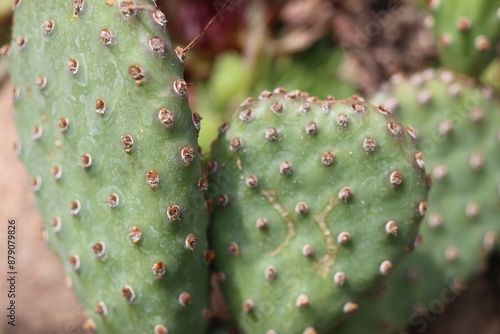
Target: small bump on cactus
(296, 214)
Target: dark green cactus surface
(107, 135)
(467, 33)
(458, 126)
(313, 201)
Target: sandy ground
(44, 304)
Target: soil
(384, 37)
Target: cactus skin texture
(303, 192)
(117, 188)
(467, 33)
(459, 126)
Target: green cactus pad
(107, 135)
(467, 33)
(313, 201)
(459, 126)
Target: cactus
(313, 201)
(467, 33)
(108, 137)
(458, 126)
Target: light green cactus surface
(313, 202)
(107, 135)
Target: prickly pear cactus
(467, 33)
(313, 201)
(458, 125)
(108, 137)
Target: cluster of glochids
(312, 202)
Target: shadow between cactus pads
(312, 203)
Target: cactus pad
(467, 33)
(313, 201)
(108, 137)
